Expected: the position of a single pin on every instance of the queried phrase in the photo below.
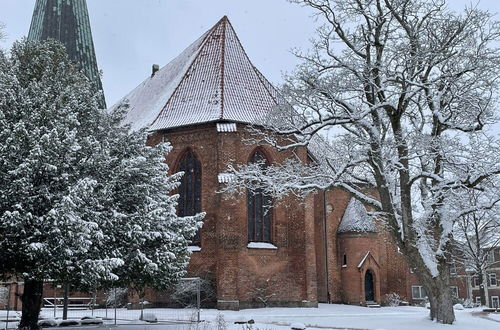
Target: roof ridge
(212, 80)
(222, 65)
(202, 45)
(262, 78)
(259, 74)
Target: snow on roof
(147, 99)
(363, 260)
(226, 127)
(368, 254)
(212, 80)
(225, 177)
(261, 245)
(356, 219)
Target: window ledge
(261, 245)
(194, 248)
(344, 266)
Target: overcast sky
(131, 35)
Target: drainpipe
(325, 239)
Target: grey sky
(131, 35)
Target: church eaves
(211, 80)
(68, 21)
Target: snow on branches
(82, 200)
(407, 88)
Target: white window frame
(421, 290)
(475, 281)
(453, 270)
(495, 302)
(491, 256)
(454, 291)
(478, 300)
(492, 278)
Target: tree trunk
(482, 292)
(65, 301)
(142, 294)
(442, 308)
(485, 298)
(32, 302)
(440, 299)
(437, 288)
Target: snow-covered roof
(212, 80)
(356, 219)
(368, 254)
(363, 260)
(226, 127)
(225, 177)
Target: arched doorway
(369, 287)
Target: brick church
(323, 249)
(299, 253)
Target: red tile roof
(212, 80)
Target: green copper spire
(68, 21)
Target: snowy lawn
(324, 317)
(494, 316)
(349, 317)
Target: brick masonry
(307, 265)
(286, 275)
(306, 268)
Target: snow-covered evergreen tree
(82, 199)
(2, 33)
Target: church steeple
(68, 21)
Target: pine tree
(82, 200)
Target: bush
(117, 297)
(185, 292)
(468, 303)
(4, 295)
(457, 300)
(393, 299)
(424, 303)
(220, 322)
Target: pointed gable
(212, 80)
(368, 259)
(356, 219)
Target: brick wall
(284, 276)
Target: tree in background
(408, 87)
(478, 235)
(2, 33)
(82, 200)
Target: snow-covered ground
(324, 317)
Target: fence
(180, 305)
(6, 315)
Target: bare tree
(408, 87)
(478, 235)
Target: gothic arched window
(258, 208)
(190, 188)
